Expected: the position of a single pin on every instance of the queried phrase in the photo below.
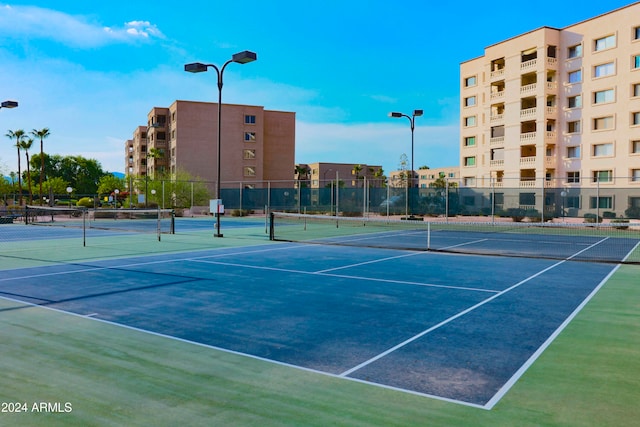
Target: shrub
(633, 212)
(621, 224)
(592, 218)
(516, 214)
(608, 214)
(85, 202)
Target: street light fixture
(8, 104)
(412, 120)
(198, 67)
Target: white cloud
(77, 31)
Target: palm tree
(26, 144)
(18, 135)
(42, 134)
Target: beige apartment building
(557, 110)
(257, 145)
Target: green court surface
(93, 373)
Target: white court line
(462, 313)
(345, 276)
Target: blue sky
(91, 71)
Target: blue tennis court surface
(450, 326)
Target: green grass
(114, 376)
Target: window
(470, 81)
(636, 33)
(250, 137)
(574, 51)
(527, 199)
(469, 141)
(635, 118)
(600, 150)
(573, 202)
(249, 171)
(635, 175)
(249, 154)
(575, 76)
(469, 181)
(470, 161)
(635, 61)
(605, 43)
(602, 202)
(573, 177)
(573, 127)
(470, 121)
(635, 89)
(470, 101)
(603, 123)
(603, 176)
(603, 96)
(573, 152)
(604, 70)
(635, 147)
(249, 119)
(575, 101)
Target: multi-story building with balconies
(257, 145)
(557, 109)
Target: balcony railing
(550, 161)
(528, 64)
(496, 117)
(527, 183)
(497, 73)
(552, 62)
(497, 95)
(496, 140)
(552, 86)
(528, 137)
(551, 135)
(529, 112)
(528, 88)
(496, 162)
(527, 161)
(551, 111)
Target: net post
(429, 235)
(173, 222)
(271, 226)
(84, 227)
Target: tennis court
(455, 327)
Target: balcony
(497, 73)
(497, 140)
(528, 113)
(497, 95)
(550, 161)
(527, 183)
(552, 86)
(528, 65)
(496, 118)
(528, 161)
(528, 88)
(551, 111)
(550, 135)
(528, 137)
(493, 163)
(552, 62)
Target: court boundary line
(91, 317)
(462, 313)
(520, 372)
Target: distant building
(257, 145)
(426, 177)
(351, 175)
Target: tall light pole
(198, 67)
(412, 120)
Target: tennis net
(597, 242)
(126, 220)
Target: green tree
(42, 134)
(108, 183)
(81, 173)
(55, 185)
(356, 171)
(181, 186)
(25, 145)
(18, 135)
